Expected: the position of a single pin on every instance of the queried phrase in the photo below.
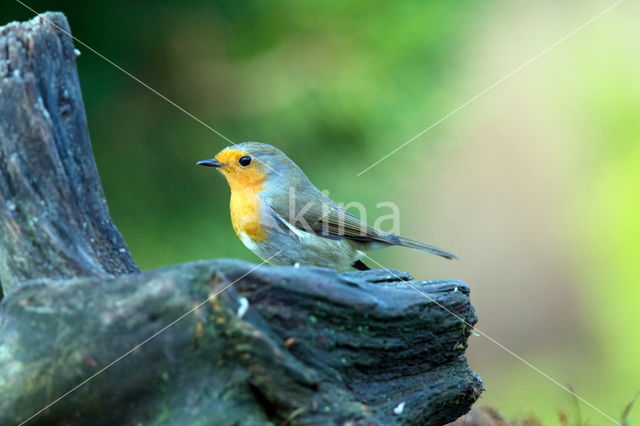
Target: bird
(284, 219)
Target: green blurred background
(535, 185)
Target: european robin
(282, 217)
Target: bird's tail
(417, 245)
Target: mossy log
(86, 338)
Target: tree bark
(314, 347)
(54, 220)
(85, 338)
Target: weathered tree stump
(54, 220)
(281, 345)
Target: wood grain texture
(54, 220)
(313, 348)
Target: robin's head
(253, 164)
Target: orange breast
(245, 212)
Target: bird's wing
(324, 218)
(319, 215)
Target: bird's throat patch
(245, 212)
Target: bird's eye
(245, 161)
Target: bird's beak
(210, 163)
